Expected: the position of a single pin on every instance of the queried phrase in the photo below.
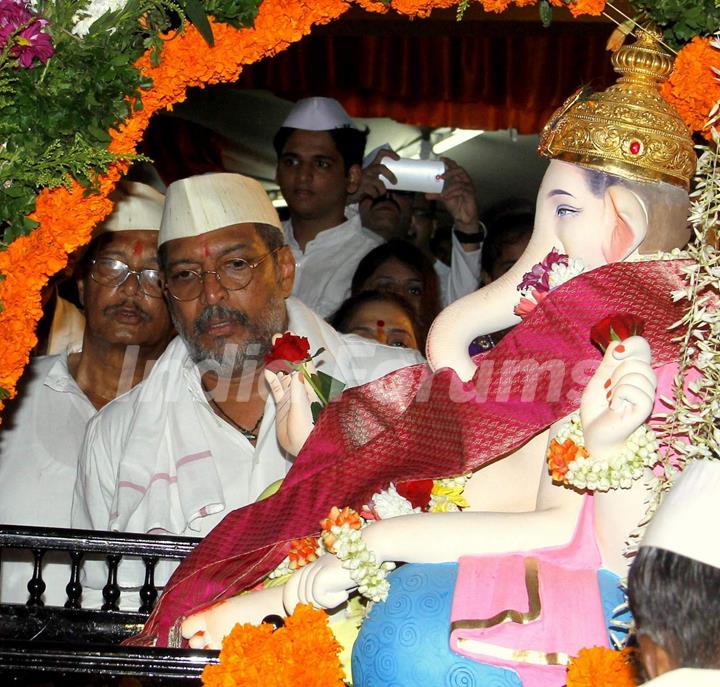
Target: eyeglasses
(232, 274)
(112, 273)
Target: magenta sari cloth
(412, 424)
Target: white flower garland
(621, 470)
(369, 575)
(347, 544)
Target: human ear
(286, 270)
(626, 223)
(655, 658)
(353, 179)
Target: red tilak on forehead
(380, 324)
(137, 248)
(206, 250)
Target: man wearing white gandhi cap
(198, 438)
(127, 329)
(320, 153)
(674, 583)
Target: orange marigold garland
(693, 88)
(601, 667)
(302, 652)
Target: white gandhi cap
(204, 203)
(137, 207)
(318, 114)
(685, 521)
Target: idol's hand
(324, 583)
(619, 397)
(293, 399)
(207, 629)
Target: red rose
(416, 491)
(616, 328)
(289, 348)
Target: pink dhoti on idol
(531, 611)
(414, 425)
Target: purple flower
(539, 276)
(25, 29)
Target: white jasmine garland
(369, 575)
(640, 451)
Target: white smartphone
(422, 176)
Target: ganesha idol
(542, 449)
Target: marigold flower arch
(66, 217)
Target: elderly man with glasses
(197, 438)
(127, 328)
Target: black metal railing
(72, 645)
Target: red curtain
(476, 75)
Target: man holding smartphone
(388, 212)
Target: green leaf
(196, 14)
(316, 408)
(330, 387)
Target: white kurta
(40, 440)
(324, 271)
(462, 276)
(159, 458)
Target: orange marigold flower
(338, 517)
(303, 652)
(692, 88)
(421, 8)
(578, 7)
(601, 667)
(373, 5)
(341, 517)
(495, 5)
(559, 457)
(302, 552)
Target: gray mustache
(218, 312)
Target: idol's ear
(626, 223)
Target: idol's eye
(566, 210)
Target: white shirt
(687, 677)
(159, 458)
(40, 441)
(462, 276)
(324, 271)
